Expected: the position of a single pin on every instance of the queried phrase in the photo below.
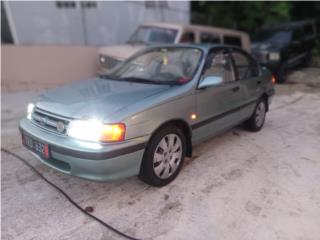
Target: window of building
(230, 40)
(65, 4)
(89, 4)
(155, 4)
(209, 38)
(188, 37)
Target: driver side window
(219, 64)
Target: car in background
(167, 33)
(285, 46)
(143, 117)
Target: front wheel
(256, 121)
(164, 157)
(281, 74)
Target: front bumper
(93, 161)
(263, 59)
(273, 66)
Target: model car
(167, 33)
(145, 116)
(285, 46)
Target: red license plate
(41, 149)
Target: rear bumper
(93, 161)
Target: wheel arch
(265, 97)
(184, 126)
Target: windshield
(282, 36)
(153, 35)
(172, 65)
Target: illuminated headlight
(102, 59)
(274, 56)
(30, 110)
(94, 130)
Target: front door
(218, 106)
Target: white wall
(38, 67)
(108, 23)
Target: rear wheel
(164, 157)
(256, 121)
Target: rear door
(248, 76)
(218, 105)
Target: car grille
(110, 62)
(50, 121)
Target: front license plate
(41, 149)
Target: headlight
(102, 59)
(274, 56)
(30, 110)
(94, 130)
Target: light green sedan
(146, 115)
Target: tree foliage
(247, 16)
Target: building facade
(92, 23)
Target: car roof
(288, 25)
(205, 47)
(192, 26)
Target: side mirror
(210, 81)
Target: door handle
(258, 82)
(235, 89)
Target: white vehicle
(162, 33)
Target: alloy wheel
(260, 114)
(167, 156)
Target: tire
(163, 157)
(256, 121)
(306, 62)
(281, 74)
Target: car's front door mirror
(209, 81)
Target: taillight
(273, 79)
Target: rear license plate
(41, 149)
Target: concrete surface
(239, 185)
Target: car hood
(96, 98)
(120, 52)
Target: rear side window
(308, 30)
(209, 38)
(188, 37)
(219, 64)
(297, 34)
(231, 40)
(246, 67)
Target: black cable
(67, 196)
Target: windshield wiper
(140, 80)
(106, 76)
(148, 81)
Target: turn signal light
(113, 132)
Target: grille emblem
(43, 120)
(60, 127)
